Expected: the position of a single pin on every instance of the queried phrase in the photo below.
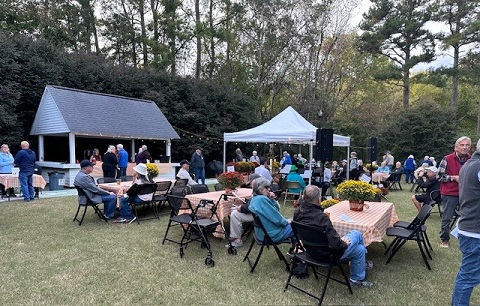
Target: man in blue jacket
(122, 160)
(25, 160)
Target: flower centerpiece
(230, 180)
(356, 192)
(244, 167)
(328, 203)
(372, 167)
(152, 170)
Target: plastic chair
(291, 185)
(266, 242)
(314, 238)
(89, 203)
(412, 232)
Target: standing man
(468, 230)
(97, 195)
(146, 157)
(198, 165)
(390, 160)
(122, 161)
(25, 160)
(448, 171)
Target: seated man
(382, 173)
(293, 176)
(264, 205)
(397, 172)
(184, 173)
(263, 170)
(347, 247)
(97, 195)
(239, 215)
(430, 182)
(326, 179)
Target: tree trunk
(199, 39)
(453, 104)
(141, 9)
(155, 51)
(212, 41)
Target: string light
(199, 136)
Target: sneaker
(369, 264)
(361, 283)
(131, 220)
(237, 243)
(120, 220)
(26, 200)
(444, 244)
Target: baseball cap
(433, 169)
(252, 177)
(85, 163)
(184, 161)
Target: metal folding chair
(89, 203)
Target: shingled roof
(65, 110)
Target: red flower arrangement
(230, 180)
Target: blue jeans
(199, 174)
(469, 273)
(355, 252)
(109, 205)
(26, 185)
(288, 234)
(121, 172)
(125, 211)
(450, 204)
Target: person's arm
(88, 184)
(442, 168)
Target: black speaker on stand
(324, 145)
(372, 149)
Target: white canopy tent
(286, 127)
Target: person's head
(251, 179)
(185, 164)
(140, 150)
(410, 156)
(96, 151)
(383, 164)
(398, 164)
(327, 165)
(144, 148)
(293, 168)
(285, 153)
(432, 171)
(463, 145)
(86, 166)
(478, 145)
(141, 169)
(353, 154)
(5, 148)
(254, 153)
(263, 161)
(360, 162)
(238, 151)
(198, 151)
(388, 153)
(299, 155)
(344, 162)
(261, 186)
(119, 146)
(111, 149)
(312, 194)
(426, 157)
(24, 145)
(432, 158)
(334, 163)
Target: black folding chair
(314, 239)
(89, 203)
(436, 199)
(412, 232)
(194, 228)
(180, 191)
(394, 179)
(160, 196)
(142, 189)
(181, 182)
(126, 178)
(104, 180)
(266, 242)
(200, 188)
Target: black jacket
(313, 215)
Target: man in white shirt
(184, 173)
(263, 171)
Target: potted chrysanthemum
(230, 180)
(356, 192)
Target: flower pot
(356, 205)
(228, 190)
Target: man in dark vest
(468, 230)
(448, 171)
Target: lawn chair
(89, 203)
(412, 232)
(291, 185)
(309, 238)
(266, 242)
(193, 227)
(394, 181)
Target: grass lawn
(49, 260)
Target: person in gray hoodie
(25, 160)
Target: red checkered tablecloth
(372, 222)
(224, 207)
(11, 181)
